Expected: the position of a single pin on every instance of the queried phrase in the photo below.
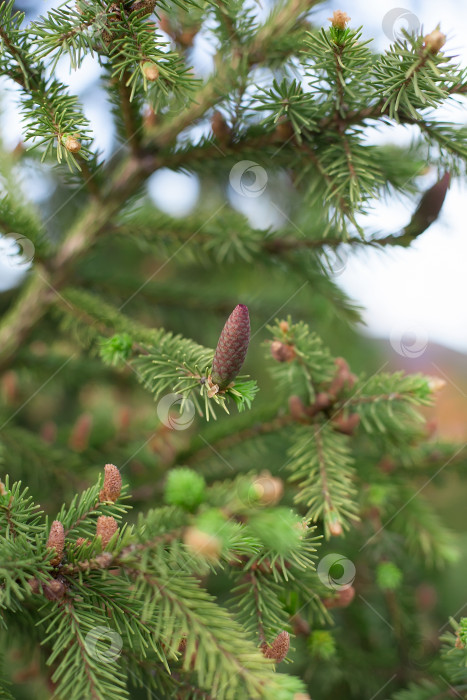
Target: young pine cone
(231, 348)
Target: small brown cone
(297, 408)
(34, 585)
(56, 541)
(54, 590)
(72, 144)
(150, 71)
(348, 425)
(435, 41)
(112, 484)
(339, 19)
(79, 438)
(232, 347)
(219, 128)
(106, 527)
(342, 600)
(82, 540)
(278, 649)
(202, 543)
(282, 352)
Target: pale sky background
(422, 289)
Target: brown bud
(79, 438)
(339, 19)
(2, 489)
(387, 465)
(284, 130)
(435, 41)
(335, 527)
(56, 541)
(282, 352)
(106, 527)
(54, 590)
(202, 543)
(426, 596)
(278, 649)
(436, 384)
(219, 128)
(268, 488)
(347, 425)
(82, 540)
(343, 598)
(104, 560)
(284, 326)
(322, 401)
(459, 643)
(72, 144)
(186, 37)
(165, 25)
(34, 584)
(10, 386)
(49, 432)
(300, 626)
(112, 484)
(296, 408)
(150, 71)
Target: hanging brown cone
(56, 541)
(343, 598)
(282, 352)
(232, 347)
(278, 649)
(106, 527)
(428, 210)
(54, 590)
(112, 484)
